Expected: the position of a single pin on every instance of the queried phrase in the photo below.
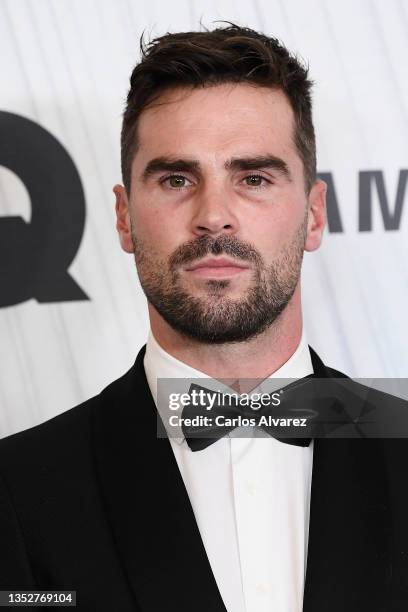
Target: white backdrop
(65, 64)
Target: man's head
(218, 162)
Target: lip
(216, 268)
(223, 262)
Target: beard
(215, 318)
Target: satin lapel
(147, 505)
(348, 563)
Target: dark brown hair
(229, 54)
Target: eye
(255, 180)
(176, 181)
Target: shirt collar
(158, 364)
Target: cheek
(147, 221)
(157, 232)
(268, 230)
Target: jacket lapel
(148, 508)
(348, 564)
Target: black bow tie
(298, 413)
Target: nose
(213, 213)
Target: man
(220, 200)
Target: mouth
(216, 268)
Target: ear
(316, 216)
(123, 218)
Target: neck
(257, 357)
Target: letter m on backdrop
(391, 219)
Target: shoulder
(367, 392)
(60, 438)
(66, 432)
(52, 465)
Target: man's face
(217, 183)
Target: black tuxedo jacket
(93, 501)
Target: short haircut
(229, 54)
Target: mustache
(206, 245)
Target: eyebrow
(169, 164)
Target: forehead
(221, 120)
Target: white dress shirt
(250, 498)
